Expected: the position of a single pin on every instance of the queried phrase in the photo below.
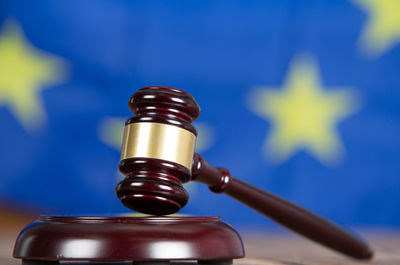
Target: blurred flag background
(301, 98)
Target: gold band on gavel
(160, 141)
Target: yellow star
(111, 132)
(24, 71)
(303, 114)
(382, 30)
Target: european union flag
(298, 98)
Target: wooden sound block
(52, 239)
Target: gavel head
(158, 150)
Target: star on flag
(304, 114)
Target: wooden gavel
(158, 157)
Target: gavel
(158, 157)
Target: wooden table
(271, 248)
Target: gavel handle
(281, 211)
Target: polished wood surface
(122, 238)
(271, 248)
(281, 211)
(154, 186)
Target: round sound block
(139, 239)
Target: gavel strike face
(158, 157)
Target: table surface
(272, 248)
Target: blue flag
(298, 98)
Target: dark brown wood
(142, 189)
(263, 247)
(154, 186)
(61, 238)
(164, 105)
(280, 210)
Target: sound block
(51, 239)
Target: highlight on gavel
(158, 157)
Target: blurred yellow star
(111, 132)
(303, 114)
(382, 30)
(24, 71)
